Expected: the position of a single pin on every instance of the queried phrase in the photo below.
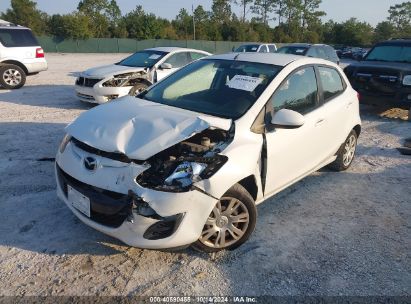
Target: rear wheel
(345, 154)
(230, 223)
(12, 77)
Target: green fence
(114, 45)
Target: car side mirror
(287, 119)
(166, 66)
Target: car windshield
(247, 48)
(390, 53)
(144, 59)
(294, 50)
(223, 88)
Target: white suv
(20, 55)
(189, 159)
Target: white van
(20, 55)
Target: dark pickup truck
(383, 77)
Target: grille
(111, 155)
(87, 82)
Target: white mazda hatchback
(188, 160)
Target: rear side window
(299, 92)
(271, 48)
(321, 53)
(331, 53)
(331, 82)
(17, 38)
(263, 49)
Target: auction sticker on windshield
(154, 56)
(243, 82)
(79, 201)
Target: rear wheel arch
(17, 63)
(357, 130)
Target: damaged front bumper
(99, 94)
(123, 209)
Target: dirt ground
(330, 234)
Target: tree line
(281, 21)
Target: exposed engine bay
(177, 168)
(130, 79)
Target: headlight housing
(407, 80)
(179, 175)
(118, 80)
(64, 143)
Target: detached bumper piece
(112, 209)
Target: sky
(371, 11)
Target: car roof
(169, 49)
(13, 27)
(267, 58)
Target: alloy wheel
(349, 150)
(12, 77)
(226, 224)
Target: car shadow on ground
(51, 96)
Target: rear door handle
(320, 122)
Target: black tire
(340, 164)
(138, 88)
(12, 77)
(238, 193)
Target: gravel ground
(330, 234)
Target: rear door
(337, 104)
(19, 44)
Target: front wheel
(138, 88)
(345, 154)
(12, 77)
(230, 223)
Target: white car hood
(139, 128)
(109, 70)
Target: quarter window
(331, 82)
(299, 92)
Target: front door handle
(320, 122)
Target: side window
(312, 52)
(196, 56)
(263, 49)
(321, 53)
(331, 82)
(271, 48)
(332, 54)
(298, 92)
(179, 60)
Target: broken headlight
(64, 143)
(118, 80)
(179, 175)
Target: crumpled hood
(139, 128)
(109, 70)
